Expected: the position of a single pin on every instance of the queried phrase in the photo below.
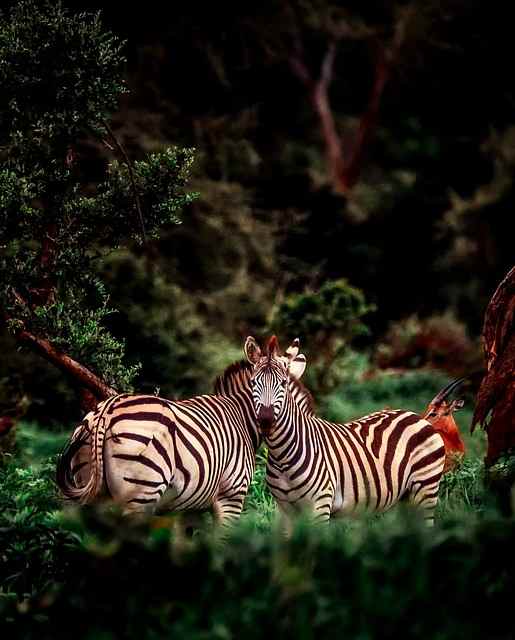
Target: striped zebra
(148, 453)
(332, 469)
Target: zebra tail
(93, 435)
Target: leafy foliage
(326, 320)
(61, 78)
(395, 577)
(438, 341)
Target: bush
(327, 321)
(439, 341)
(32, 547)
(390, 581)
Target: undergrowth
(372, 576)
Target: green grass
(36, 444)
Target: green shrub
(326, 320)
(31, 543)
(135, 581)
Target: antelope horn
(447, 390)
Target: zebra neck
(234, 385)
(293, 429)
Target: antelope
(439, 413)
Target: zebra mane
(234, 376)
(237, 374)
(304, 393)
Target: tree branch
(345, 168)
(128, 163)
(321, 104)
(367, 125)
(78, 372)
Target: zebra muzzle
(265, 418)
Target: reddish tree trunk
(496, 396)
(367, 125)
(94, 388)
(345, 164)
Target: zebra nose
(265, 417)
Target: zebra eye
(283, 383)
(252, 383)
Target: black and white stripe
(332, 469)
(150, 453)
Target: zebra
(333, 469)
(151, 454)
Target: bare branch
(320, 99)
(79, 373)
(300, 69)
(326, 69)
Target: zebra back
(201, 448)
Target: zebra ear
(296, 361)
(252, 350)
(298, 366)
(293, 350)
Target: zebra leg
(322, 510)
(227, 508)
(424, 495)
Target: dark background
(426, 233)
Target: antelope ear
(456, 404)
(252, 350)
(273, 347)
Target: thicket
(61, 78)
(268, 224)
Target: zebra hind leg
(424, 496)
(227, 509)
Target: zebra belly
(174, 499)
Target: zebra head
(271, 376)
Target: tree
(60, 79)
(393, 35)
(495, 406)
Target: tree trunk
(496, 396)
(92, 388)
(495, 405)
